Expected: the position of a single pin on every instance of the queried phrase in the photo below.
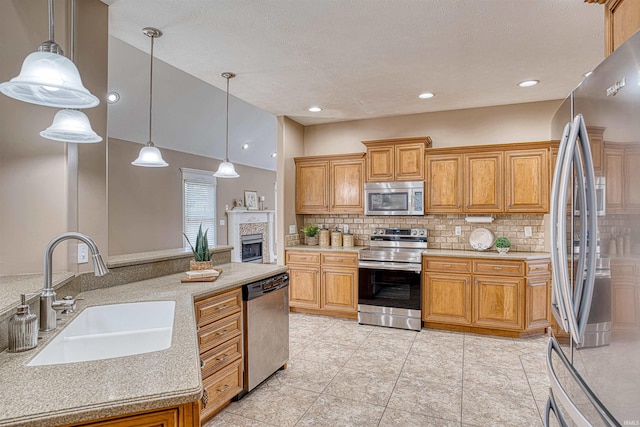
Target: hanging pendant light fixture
(150, 156)
(226, 168)
(48, 78)
(71, 125)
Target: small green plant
(310, 230)
(201, 249)
(502, 242)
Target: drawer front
(220, 388)
(542, 266)
(299, 257)
(220, 356)
(342, 260)
(623, 270)
(498, 267)
(216, 307)
(218, 332)
(448, 265)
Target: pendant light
(71, 125)
(226, 168)
(150, 156)
(48, 78)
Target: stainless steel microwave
(394, 198)
(600, 197)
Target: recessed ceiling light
(588, 73)
(274, 154)
(315, 109)
(245, 146)
(528, 83)
(113, 97)
(426, 95)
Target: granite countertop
(31, 284)
(155, 256)
(76, 392)
(486, 254)
(318, 248)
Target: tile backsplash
(441, 229)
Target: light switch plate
(222, 222)
(292, 229)
(83, 253)
(458, 231)
(527, 232)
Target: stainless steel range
(390, 276)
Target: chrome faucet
(48, 302)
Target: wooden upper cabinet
(400, 159)
(347, 183)
(312, 186)
(527, 181)
(484, 183)
(444, 183)
(631, 180)
(596, 143)
(614, 174)
(330, 184)
(621, 21)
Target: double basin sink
(110, 331)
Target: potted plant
(201, 255)
(310, 235)
(502, 244)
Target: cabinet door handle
(222, 332)
(458, 207)
(202, 363)
(205, 399)
(223, 357)
(223, 389)
(222, 307)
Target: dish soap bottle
(23, 328)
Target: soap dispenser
(23, 328)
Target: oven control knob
(422, 232)
(414, 232)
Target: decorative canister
(336, 237)
(347, 240)
(325, 237)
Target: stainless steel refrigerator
(594, 369)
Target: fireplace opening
(251, 248)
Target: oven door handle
(402, 266)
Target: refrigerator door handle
(584, 292)
(558, 214)
(553, 407)
(558, 391)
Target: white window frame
(200, 177)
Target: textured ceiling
(371, 58)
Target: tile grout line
(533, 396)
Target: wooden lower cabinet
(491, 296)
(323, 283)
(625, 296)
(447, 298)
(220, 332)
(179, 416)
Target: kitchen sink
(109, 331)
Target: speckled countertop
(75, 392)
(435, 252)
(318, 248)
(146, 257)
(12, 286)
(486, 254)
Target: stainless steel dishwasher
(266, 329)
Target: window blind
(199, 207)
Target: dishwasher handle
(262, 287)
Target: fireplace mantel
(236, 217)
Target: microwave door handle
(561, 238)
(558, 214)
(591, 218)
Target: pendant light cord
(51, 20)
(72, 42)
(227, 134)
(151, 93)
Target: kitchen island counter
(83, 391)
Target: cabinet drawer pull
(497, 268)
(446, 265)
(223, 389)
(205, 399)
(202, 363)
(222, 332)
(223, 357)
(222, 307)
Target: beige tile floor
(344, 374)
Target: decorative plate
(481, 239)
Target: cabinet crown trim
(490, 147)
(395, 141)
(349, 156)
